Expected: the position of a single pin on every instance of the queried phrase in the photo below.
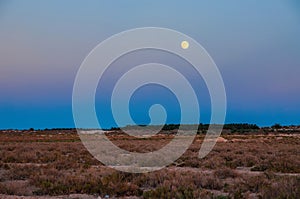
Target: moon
(185, 45)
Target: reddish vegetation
(240, 166)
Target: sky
(255, 45)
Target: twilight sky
(255, 44)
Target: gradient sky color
(256, 46)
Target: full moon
(185, 45)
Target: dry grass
(56, 163)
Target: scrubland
(55, 164)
